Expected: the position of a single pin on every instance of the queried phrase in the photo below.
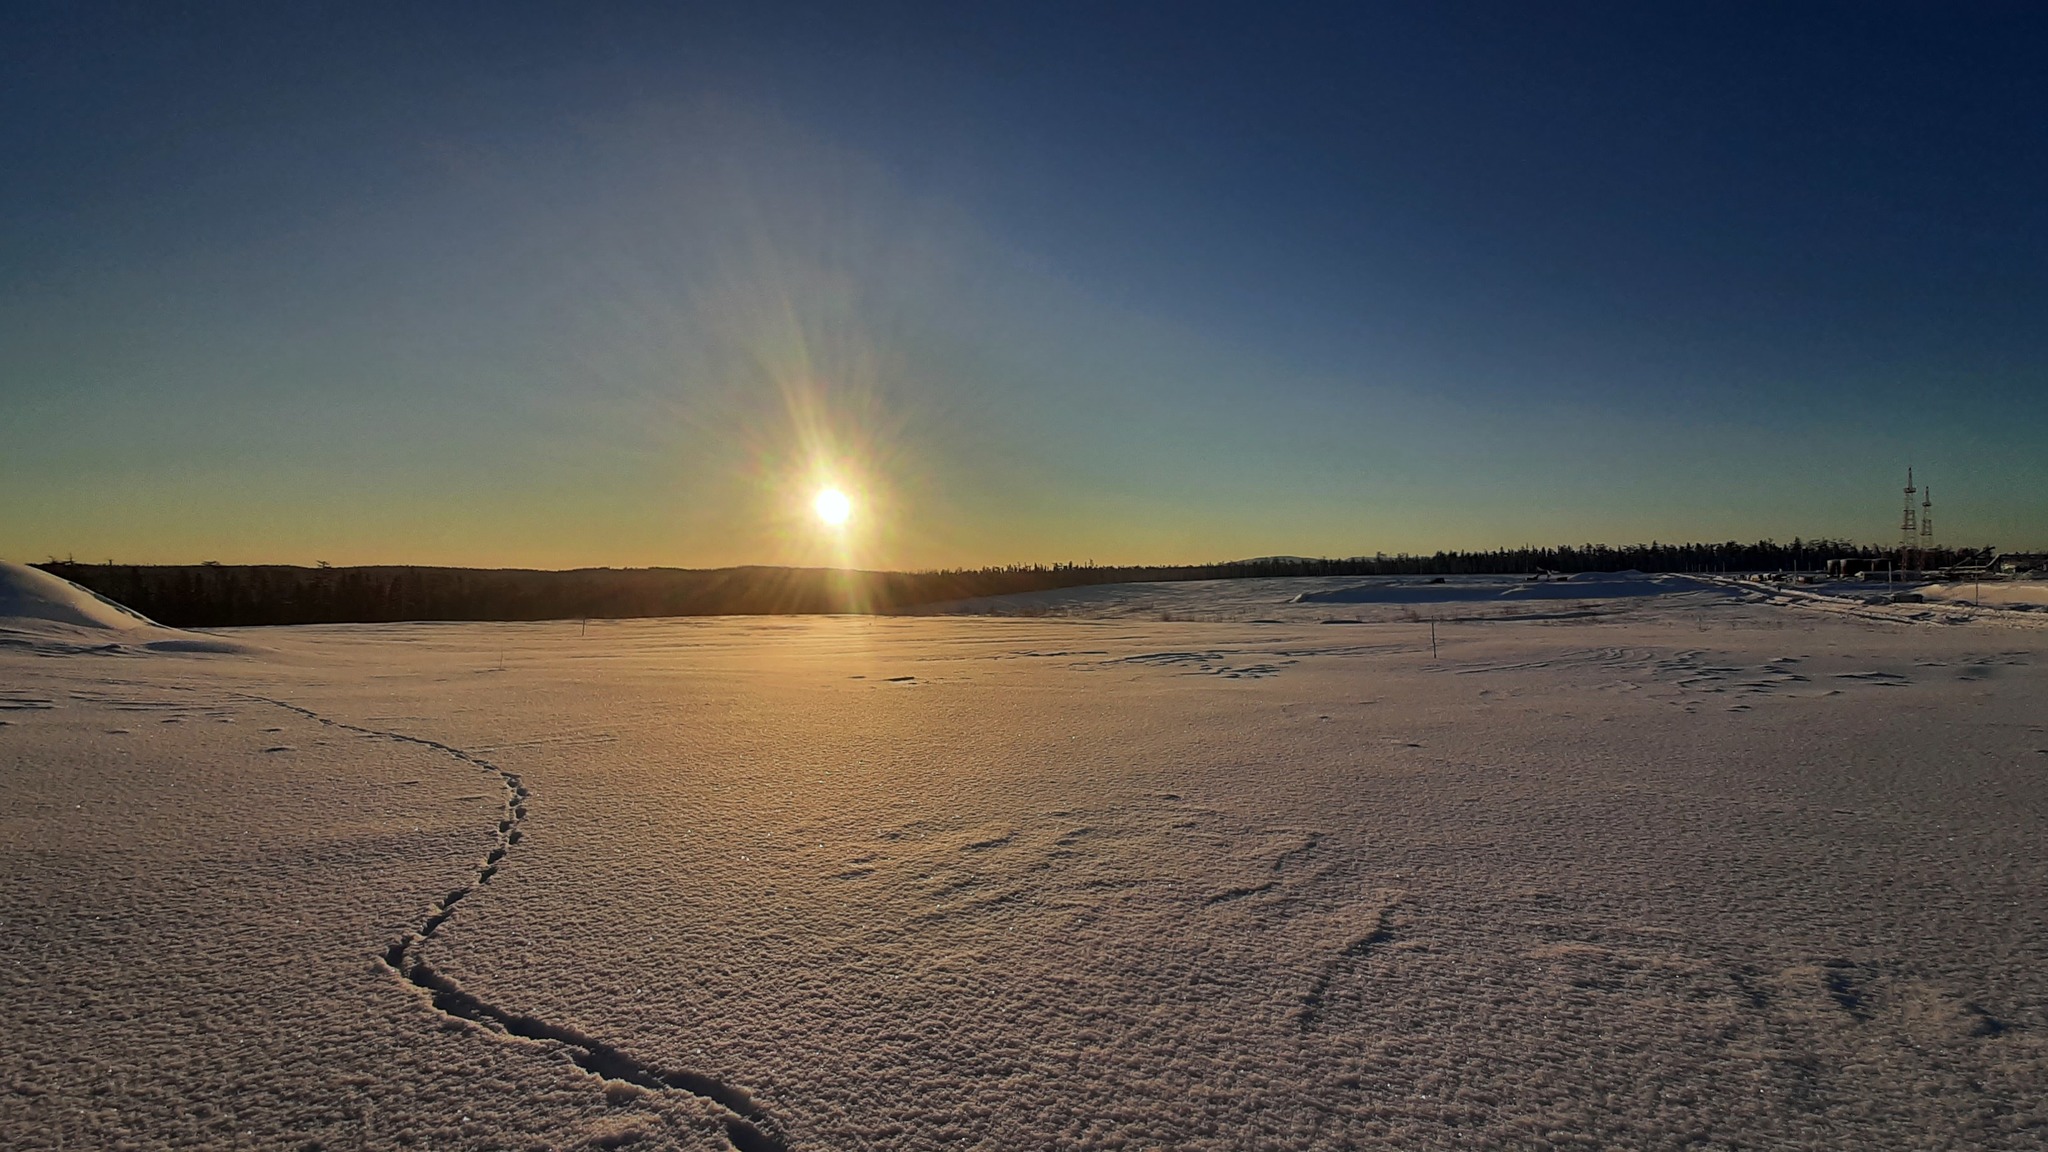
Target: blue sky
(604, 284)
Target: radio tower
(1909, 526)
(1926, 524)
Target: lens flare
(833, 507)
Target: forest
(226, 595)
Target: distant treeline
(223, 595)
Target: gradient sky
(590, 284)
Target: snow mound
(31, 594)
(49, 612)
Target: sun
(832, 506)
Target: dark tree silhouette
(220, 595)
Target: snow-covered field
(1215, 866)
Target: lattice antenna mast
(1909, 525)
(1926, 523)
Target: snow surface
(2021, 604)
(2001, 594)
(1721, 868)
(1583, 586)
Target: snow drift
(31, 594)
(39, 610)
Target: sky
(594, 284)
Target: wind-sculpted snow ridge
(31, 594)
(1311, 1012)
(747, 1126)
(49, 614)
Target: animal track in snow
(1843, 987)
(747, 1126)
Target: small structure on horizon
(1909, 525)
(1926, 521)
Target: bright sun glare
(832, 506)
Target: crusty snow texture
(1714, 869)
